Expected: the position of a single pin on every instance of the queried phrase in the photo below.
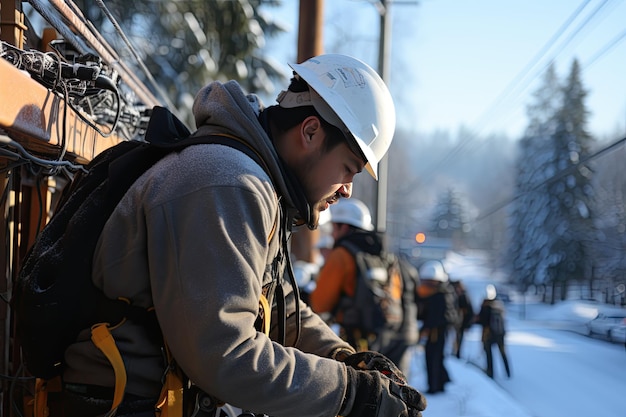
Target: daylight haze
(476, 63)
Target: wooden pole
(309, 44)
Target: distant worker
(491, 317)
(357, 263)
(466, 315)
(437, 312)
(409, 331)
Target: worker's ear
(310, 132)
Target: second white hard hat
(490, 292)
(433, 270)
(353, 212)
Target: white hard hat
(433, 270)
(351, 96)
(353, 212)
(490, 292)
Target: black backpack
(54, 297)
(377, 303)
(496, 321)
(452, 314)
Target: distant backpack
(377, 302)
(54, 297)
(452, 313)
(496, 321)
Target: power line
(556, 177)
(134, 52)
(523, 74)
(605, 49)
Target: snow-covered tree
(530, 211)
(607, 250)
(570, 189)
(450, 218)
(187, 44)
(551, 219)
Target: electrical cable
(133, 51)
(613, 42)
(99, 45)
(470, 138)
(555, 177)
(24, 154)
(68, 80)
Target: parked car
(502, 293)
(608, 325)
(618, 333)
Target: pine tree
(609, 247)
(570, 190)
(450, 219)
(530, 215)
(186, 45)
(552, 215)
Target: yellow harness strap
(41, 398)
(267, 314)
(102, 338)
(171, 399)
(39, 406)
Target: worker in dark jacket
(437, 312)
(398, 351)
(466, 315)
(491, 317)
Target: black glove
(371, 394)
(374, 361)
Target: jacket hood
(224, 108)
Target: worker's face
(326, 175)
(339, 230)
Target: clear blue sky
(476, 62)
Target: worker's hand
(371, 394)
(374, 361)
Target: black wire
(46, 163)
(604, 50)
(523, 75)
(134, 52)
(38, 182)
(17, 378)
(64, 129)
(58, 84)
(12, 387)
(550, 180)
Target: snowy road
(561, 373)
(556, 372)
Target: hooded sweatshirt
(196, 237)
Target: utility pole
(310, 23)
(380, 215)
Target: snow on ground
(557, 370)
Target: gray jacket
(191, 239)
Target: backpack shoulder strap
(351, 247)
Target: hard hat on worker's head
(353, 212)
(433, 270)
(351, 96)
(490, 292)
